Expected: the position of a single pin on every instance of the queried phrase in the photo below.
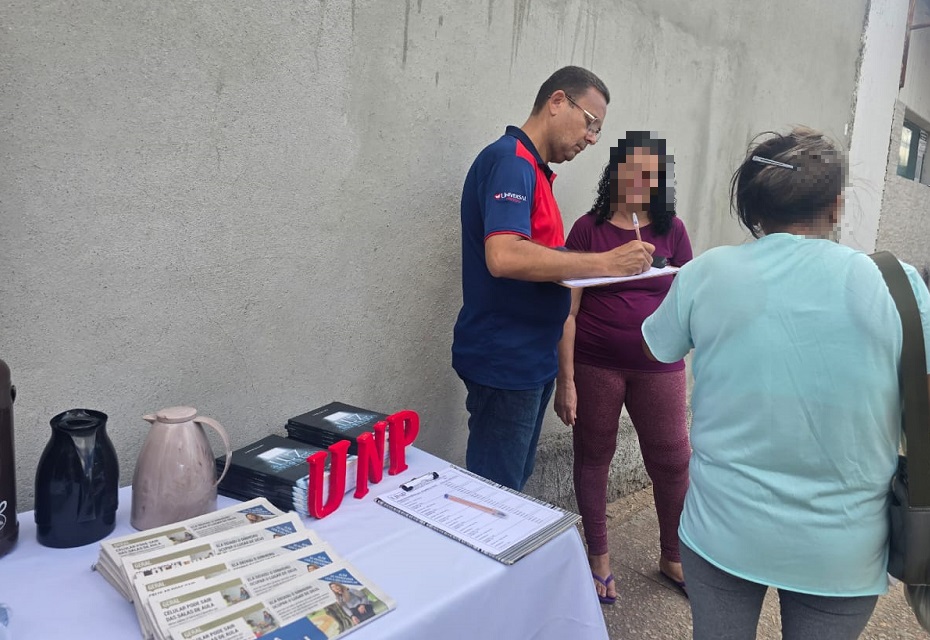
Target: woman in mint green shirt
(796, 408)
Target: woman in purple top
(601, 361)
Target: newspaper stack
(276, 468)
(325, 603)
(112, 552)
(215, 571)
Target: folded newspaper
(154, 562)
(112, 551)
(171, 609)
(324, 603)
(183, 578)
(238, 572)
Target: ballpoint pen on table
(411, 484)
(474, 505)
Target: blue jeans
(503, 429)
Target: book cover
(272, 457)
(336, 421)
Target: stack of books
(276, 468)
(331, 423)
(239, 573)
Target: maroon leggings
(657, 406)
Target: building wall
(876, 91)
(916, 90)
(905, 219)
(251, 207)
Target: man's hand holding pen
(629, 259)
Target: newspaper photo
(327, 603)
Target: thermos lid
(176, 415)
(7, 390)
(4, 375)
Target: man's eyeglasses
(592, 120)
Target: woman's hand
(566, 401)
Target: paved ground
(649, 606)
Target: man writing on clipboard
(507, 332)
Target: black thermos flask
(9, 527)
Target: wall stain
(521, 12)
(419, 6)
(593, 41)
(319, 34)
(403, 62)
(353, 16)
(437, 78)
(586, 20)
(589, 23)
(577, 35)
(490, 12)
(440, 21)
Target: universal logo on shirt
(510, 197)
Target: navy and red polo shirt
(508, 331)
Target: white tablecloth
(443, 589)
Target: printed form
(487, 517)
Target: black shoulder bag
(909, 553)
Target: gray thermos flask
(9, 527)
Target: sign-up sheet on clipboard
(497, 521)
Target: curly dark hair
(662, 199)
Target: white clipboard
(578, 283)
(497, 521)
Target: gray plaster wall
(251, 207)
(904, 227)
(916, 90)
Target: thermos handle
(216, 426)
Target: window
(912, 152)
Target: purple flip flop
(605, 599)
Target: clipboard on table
(497, 521)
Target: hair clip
(774, 163)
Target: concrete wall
(252, 206)
(905, 220)
(876, 91)
(916, 90)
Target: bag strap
(913, 380)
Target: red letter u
(337, 479)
